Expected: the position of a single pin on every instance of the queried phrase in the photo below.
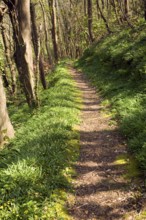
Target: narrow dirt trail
(101, 192)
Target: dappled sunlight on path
(101, 192)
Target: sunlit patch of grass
(141, 216)
(105, 103)
(36, 167)
(132, 169)
(131, 166)
(121, 159)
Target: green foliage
(36, 167)
(116, 65)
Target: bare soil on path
(101, 191)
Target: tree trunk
(46, 33)
(144, 2)
(19, 12)
(8, 59)
(126, 7)
(42, 73)
(103, 4)
(6, 128)
(116, 12)
(53, 30)
(61, 39)
(36, 44)
(125, 18)
(90, 20)
(85, 7)
(102, 16)
(5, 79)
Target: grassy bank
(36, 167)
(116, 65)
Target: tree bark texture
(9, 60)
(36, 43)
(46, 33)
(53, 30)
(19, 12)
(6, 128)
(90, 20)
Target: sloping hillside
(116, 65)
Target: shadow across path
(101, 191)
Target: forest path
(101, 192)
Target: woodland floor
(101, 191)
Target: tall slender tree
(52, 6)
(37, 50)
(90, 20)
(103, 17)
(144, 3)
(46, 32)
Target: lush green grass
(36, 167)
(116, 65)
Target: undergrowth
(36, 167)
(116, 65)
